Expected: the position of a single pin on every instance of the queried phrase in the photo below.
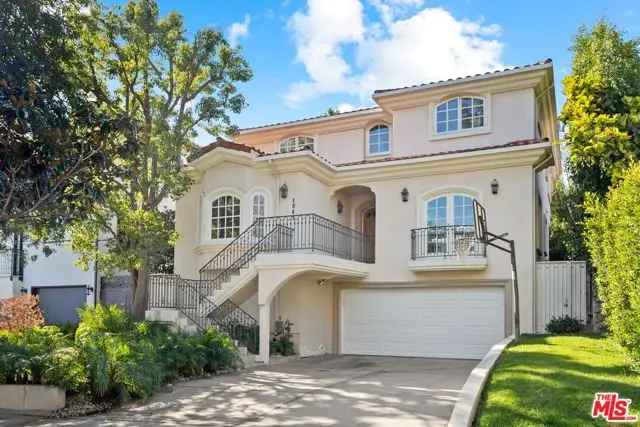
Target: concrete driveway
(317, 391)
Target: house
(358, 227)
(49, 271)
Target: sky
(309, 55)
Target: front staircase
(206, 302)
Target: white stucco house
(49, 271)
(358, 227)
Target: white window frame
(485, 129)
(450, 207)
(233, 216)
(265, 198)
(206, 217)
(299, 143)
(369, 129)
(449, 190)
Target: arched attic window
(459, 114)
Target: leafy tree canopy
(602, 111)
(59, 147)
(170, 86)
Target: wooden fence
(562, 288)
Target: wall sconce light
(405, 194)
(284, 191)
(89, 290)
(494, 186)
(340, 206)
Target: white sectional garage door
(451, 323)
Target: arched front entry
(359, 213)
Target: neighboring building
(49, 271)
(358, 227)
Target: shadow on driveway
(315, 391)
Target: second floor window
(378, 140)
(449, 209)
(225, 217)
(461, 113)
(296, 143)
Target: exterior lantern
(405, 194)
(284, 191)
(340, 206)
(494, 186)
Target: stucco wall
(510, 116)
(311, 309)
(510, 211)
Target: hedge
(613, 239)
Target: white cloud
(426, 45)
(320, 34)
(239, 30)
(345, 107)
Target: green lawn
(551, 380)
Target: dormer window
(460, 114)
(378, 140)
(296, 143)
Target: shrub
(112, 356)
(564, 325)
(20, 313)
(41, 355)
(281, 342)
(613, 239)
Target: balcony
(446, 248)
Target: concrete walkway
(319, 391)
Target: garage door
(59, 304)
(451, 323)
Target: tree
(59, 148)
(169, 86)
(613, 238)
(567, 224)
(602, 111)
(331, 111)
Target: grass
(551, 380)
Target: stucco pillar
(265, 331)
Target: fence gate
(561, 289)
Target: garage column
(265, 332)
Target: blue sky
(310, 55)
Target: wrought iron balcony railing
(446, 241)
(306, 232)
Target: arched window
(225, 217)
(460, 113)
(449, 226)
(296, 143)
(449, 209)
(258, 206)
(378, 140)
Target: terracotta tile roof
(456, 79)
(518, 143)
(309, 149)
(223, 143)
(309, 118)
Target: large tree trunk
(139, 292)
